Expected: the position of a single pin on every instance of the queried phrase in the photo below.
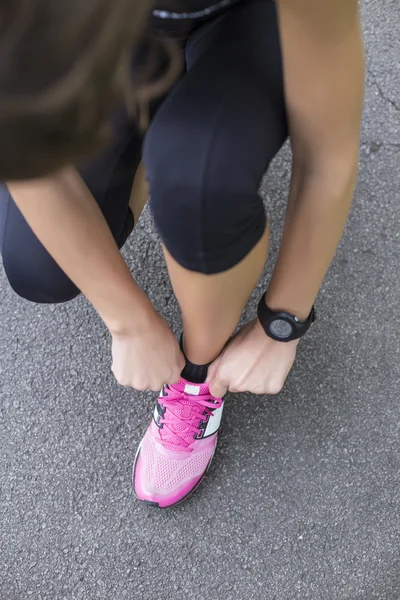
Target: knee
(42, 286)
(31, 271)
(204, 198)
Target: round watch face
(281, 328)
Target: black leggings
(205, 153)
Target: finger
(218, 388)
(181, 362)
(175, 377)
(155, 388)
(213, 368)
(139, 387)
(274, 387)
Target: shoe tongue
(193, 389)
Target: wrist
(297, 307)
(282, 325)
(133, 314)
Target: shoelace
(200, 408)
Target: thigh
(212, 140)
(31, 271)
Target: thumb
(213, 368)
(218, 388)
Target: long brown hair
(64, 65)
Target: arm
(324, 80)
(324, 85)
(64, 216)
(66, 219)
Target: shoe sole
(156, 504)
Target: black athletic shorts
(205, 151)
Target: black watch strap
(282, 326)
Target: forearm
(324, 85)
(317, 212)
(66, 219)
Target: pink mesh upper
(164, 474)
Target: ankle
(193, 372)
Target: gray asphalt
(303, 499)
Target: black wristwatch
(282, 326)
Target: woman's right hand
(149, 358)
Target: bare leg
(139, 193)
(211, 305)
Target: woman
(256, 71)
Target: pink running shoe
(177, 449)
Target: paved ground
(303, 500)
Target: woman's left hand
(252, 362)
